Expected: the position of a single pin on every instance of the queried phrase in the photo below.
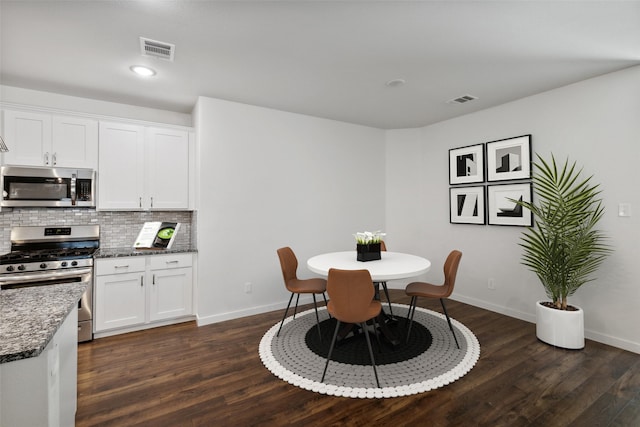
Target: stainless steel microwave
(25, 186)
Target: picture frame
(509, 159)
(466, 164)
(467, 205)
(502, 211)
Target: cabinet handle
(175, 261)
(140, 201)
(141, 281)
(151, 201)
(121, 266)
(46, 158)
(153, 279)
(54, 158)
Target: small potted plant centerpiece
(564, 248)
(368, 245)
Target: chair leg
(325, 303)
(386, 294)
(315, 305)
(333, 341)
(449, 321)
(375, 331)
(285, 315)
(295, 310)
(412, 311)
(373, 361)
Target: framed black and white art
(502, 210)
(509, 159)
(467, 205)
(466, 164)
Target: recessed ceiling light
(395, 82)
(143, 71)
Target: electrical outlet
(491, 284)
(624, 209)
(248, 288)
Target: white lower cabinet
(137, 292)
(170, 298)
(42, 390)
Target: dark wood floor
(183, 375)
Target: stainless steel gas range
(47, 256)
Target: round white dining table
(393, 265)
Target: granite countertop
(129, 251)
(30, 317)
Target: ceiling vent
(462, 99)
(157, 49)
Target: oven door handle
(48, 275)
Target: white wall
(35, 98)
(595, 122)
(270, 179)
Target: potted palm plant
(564, 248)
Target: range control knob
(74, 263)
(64, 263)
(21, 267)
(10, 268)
(43, 265)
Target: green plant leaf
(564, 248)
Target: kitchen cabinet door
(28, 138)
(171, 293)
(167, 169)
(74, 142)
(121, 166)
(120, 300)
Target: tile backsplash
(117, 229)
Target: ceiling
(323, 58)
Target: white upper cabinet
(41, 139)
(74, 142)
(167, 162)
(143, 168)
(121, 167)
(28, 138)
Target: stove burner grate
(46, 255)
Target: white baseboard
(531, 318)
(230, 315)
(612, 341)
(103, 334)
(527, 317)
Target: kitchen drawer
(119, 265)
(161, 262)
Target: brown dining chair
(289, 266)
(351, 301)
(427, 290)
(383, 247)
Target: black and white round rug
(428, 361)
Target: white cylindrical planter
(560, 328)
